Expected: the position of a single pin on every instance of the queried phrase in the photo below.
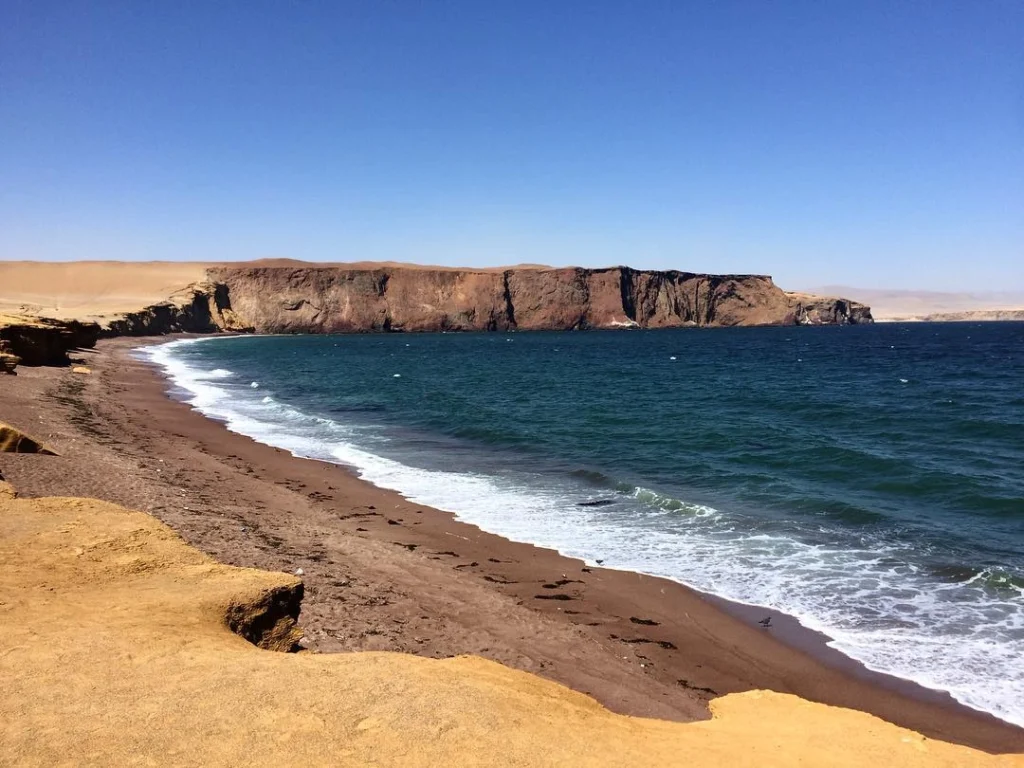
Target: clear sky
(875, 144)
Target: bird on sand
(766, 622)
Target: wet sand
(382, 573)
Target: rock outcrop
(8, 360)
(15, 441)
(42, 341)
(198, 308)
(118, 649)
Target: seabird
(766, 622)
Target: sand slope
(115, 650)
(91, 290)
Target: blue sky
(871, 144)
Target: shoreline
(787, 628)
(639, 644)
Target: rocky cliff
(42, 341)
(328, 299)
(298, 297)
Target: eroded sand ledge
(117, 650)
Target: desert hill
(893, 305)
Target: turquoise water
(868, 480)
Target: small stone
(299, 572)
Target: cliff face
(200, 308)
(298, 297)
(42, 341)
(336, 299)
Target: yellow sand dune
(116, 650)
(91, 290)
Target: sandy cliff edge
(117, 649)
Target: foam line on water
(702, 549)
(879, 609)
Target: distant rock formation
(968, 316)
(281, 296)
(336, 299)
(332, 299)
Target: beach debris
(687, 684)
(82, 369)
(562, 583)
(766, 622)
(495, 580)
(645, 622)
(667, 645)
(299, 572)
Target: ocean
(868, 480)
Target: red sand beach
(382, 573)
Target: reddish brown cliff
(281, 296)
(339, 299)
